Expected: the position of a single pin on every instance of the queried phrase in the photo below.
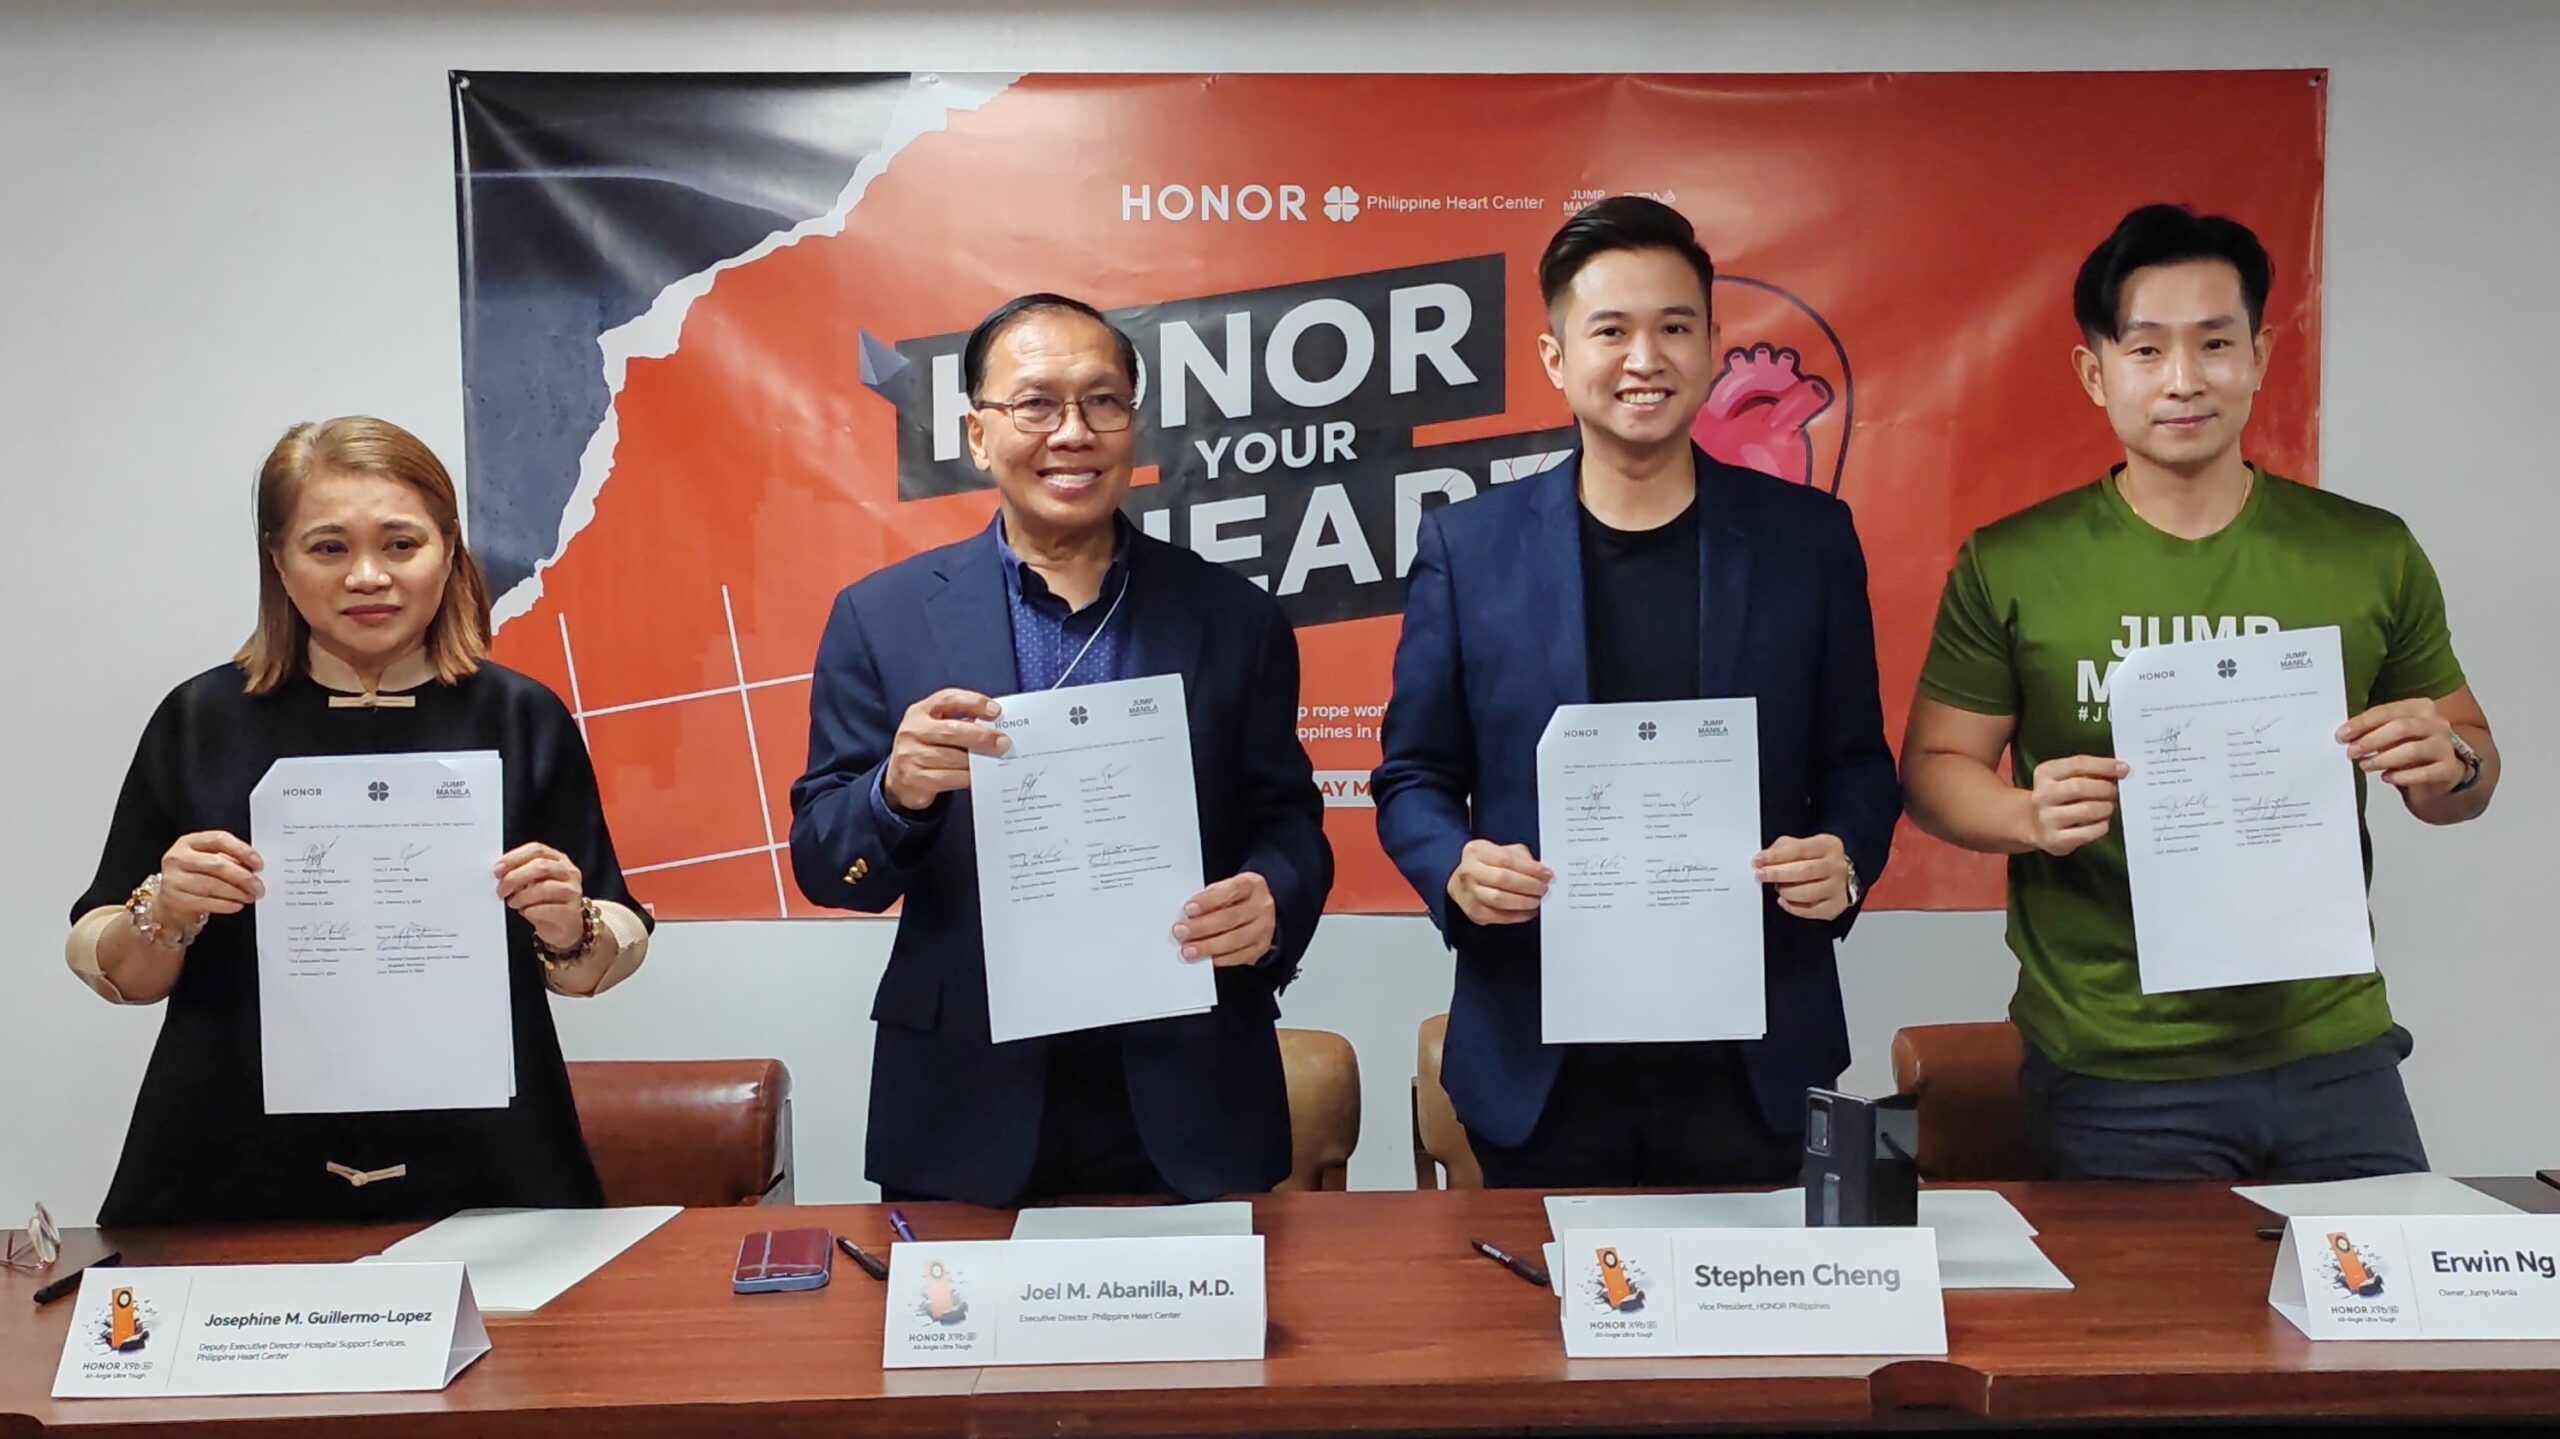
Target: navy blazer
(953, 1113)
(1494, 641)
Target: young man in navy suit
(1059, 590)
(1641, 569)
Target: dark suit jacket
(1494, 642)
(951, 1112)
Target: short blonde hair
(458, 637)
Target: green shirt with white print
(2037, 612)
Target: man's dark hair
(2165, 235)
(1620, 222)
(973, 356)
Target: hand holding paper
(544, 886)
(929, 756)
(208, 873)
(1230, 922)
(1811, 876)
(2072, 801)
(1498, 883)
(2408, 742)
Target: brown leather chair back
(1972, 1126)
(1439, 1140)
(1324, 1107)
(698, 1132)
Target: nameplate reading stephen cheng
(1751, 1292)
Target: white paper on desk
(522, 1259)
(2410, 1194)
(1088, 836)
(382, 943)
(2240, 811)
(1225, 1220)
(1649, 814)
(1983, 1241)
(1735, 1209)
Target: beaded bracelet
(137, 907)
(591, 919)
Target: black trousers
(1089, 1143)
(1635, 1115)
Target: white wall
(216, 223)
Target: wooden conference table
(1382, 1321)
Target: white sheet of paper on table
(382, 943)
(1652, 929)
(2239, 812)
(2401, 1194)
(1224, 1219)
(1983, 1241)
(522, 1259)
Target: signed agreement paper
(1649, 814)
(1088, 834)
(382, 943)
(2240, 833)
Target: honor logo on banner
(1252, 204)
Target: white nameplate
(1073, 1301)
(1751, 1291)
(269, 1329)
(2435, 1277)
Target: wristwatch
(1855, 890)
(2470, 758)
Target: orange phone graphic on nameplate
(123, 1330)
(2351, 1265)
(1613, 1281)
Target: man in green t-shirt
(2185, 540)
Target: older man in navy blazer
(1641, 570)
(1060, 590)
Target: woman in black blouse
(372, 637)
